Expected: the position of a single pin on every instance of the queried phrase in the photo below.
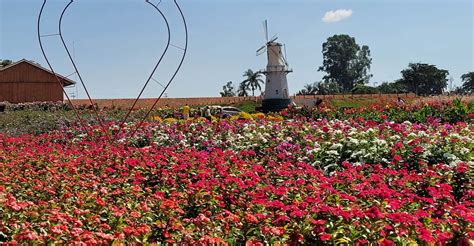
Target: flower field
(297, 178)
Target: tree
(4, 63)
(242, 91)
(228, 90)
(365, 89)
(252, 81)
(392, 88)
(345, 62)
(328, 88)
(309, 89)
(424, 79)
(468, 82)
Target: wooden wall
(26, 83)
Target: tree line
(347, 64)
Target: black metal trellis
(185, 49)
(51, 67)
(154, 69)
(96, 111)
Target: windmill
(276, 95)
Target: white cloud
(337, 15)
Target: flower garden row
(269, 180)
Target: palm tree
(242, 91)
(312, 89)
(309, 89)
(253, 80)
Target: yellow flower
(170, 120)
(200, 119)
(156, 118)
(246, 116)
(275, 117)
(258, 116)
(412, 243)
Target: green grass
(33, 122)
(36, 121)
(246, 106)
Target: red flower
(374, 212)
(425, 235)
(253, 243)
(325, 236)
(100, 202)
(462, 167)
(251, 218)
(417, 149)
(129, 230)
(386, 242)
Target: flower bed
(257, 181)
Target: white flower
(336, 146)
(353, 141)
(380, 142)
(449, 156)
(464, 150)
(332, 152)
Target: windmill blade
(261, 48)
(261, 52)
(265, 28)
(273, 39)
(286, 58)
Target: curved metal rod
(154, 69)
(38, 31)
(79, 74)
(175, 73)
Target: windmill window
(268, 81)
(276, 92)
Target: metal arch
(154, 69)
(175, 73)
(101, 123)
(82, 81)
(38, 31)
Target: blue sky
(117, 42)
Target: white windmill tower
(276, 95)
